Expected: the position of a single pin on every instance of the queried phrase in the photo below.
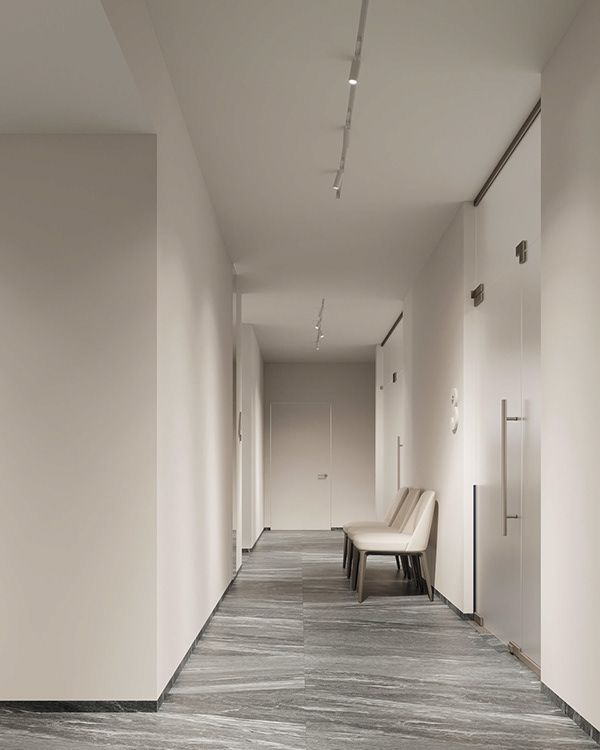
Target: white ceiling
(444, 85)
(62, 70)
(263, 86)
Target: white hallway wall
(237, 443)
(350, 388)
(195, 350)
(571, 366)
(426, 352)
(392, 361)
(78, 437)
(252, 438)
(158, 474)
(434, 350)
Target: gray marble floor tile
(291, 661)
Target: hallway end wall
(350, 389)
(571, 366)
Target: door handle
(398, 446)
(322, 476)
(504, 419)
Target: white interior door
(499, 555)
(300, 466)
(531, 461)
(508, 551)
(394, 416)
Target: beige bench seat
(410, 541)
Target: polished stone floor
(291, 661)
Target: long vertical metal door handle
(503, 467)
(503, 472)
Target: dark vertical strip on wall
(474, 548)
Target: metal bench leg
(425, 567)
(416, 566)
(355, 561)
(362, 571)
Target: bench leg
(405, 566)
(350, 558)
(425, 567)
(417, 572)
(355, 561)
(398, 561)
(345, 558)
(362, 571)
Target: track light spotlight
(353, 78)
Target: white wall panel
(78, 437)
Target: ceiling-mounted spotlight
(353, 78)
